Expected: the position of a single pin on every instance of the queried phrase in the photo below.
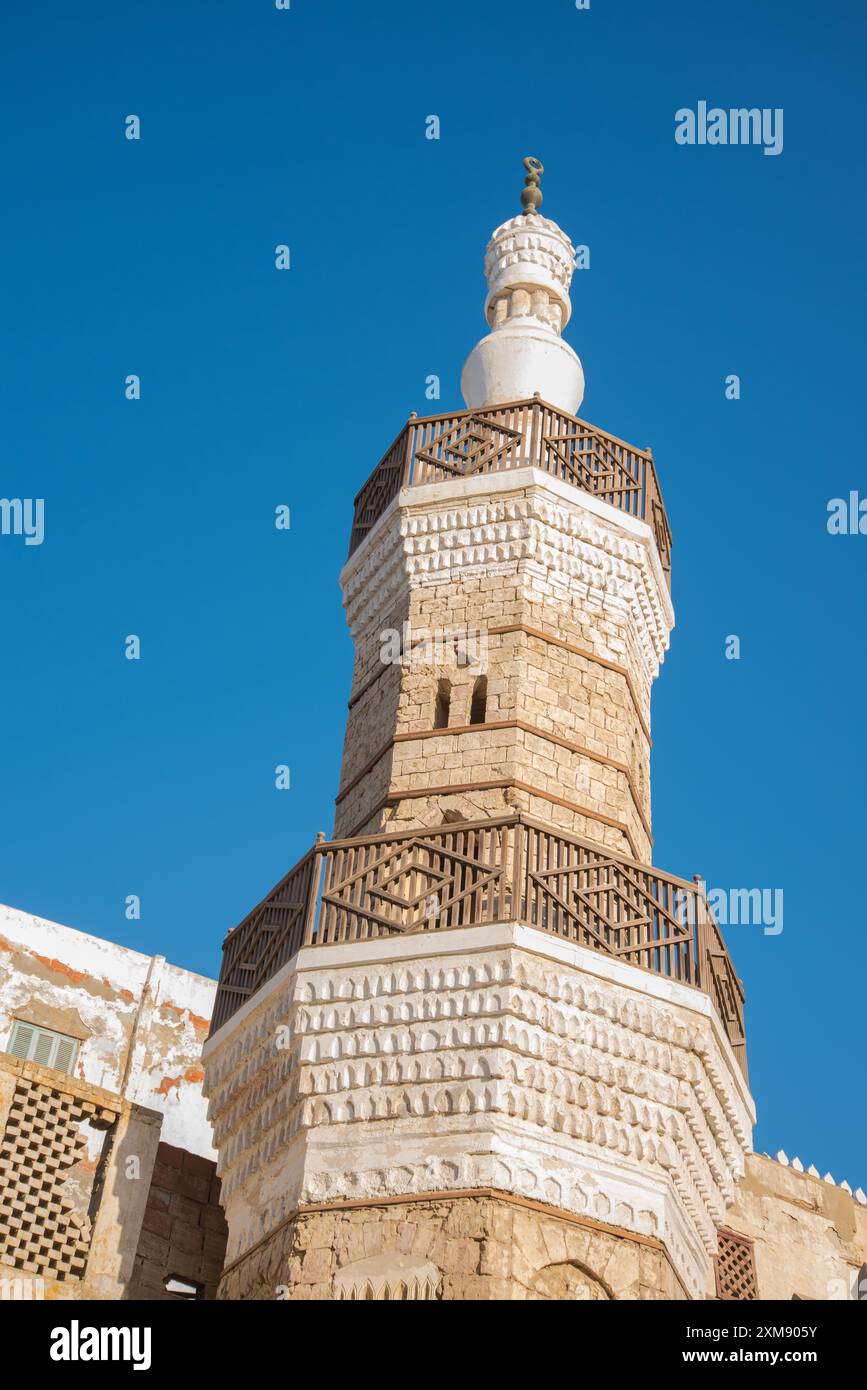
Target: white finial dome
(528, 265)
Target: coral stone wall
(809, 1234)
(87, 1207)
(559, 600)
(183, 1232)
(489, 1057)
(470, 1247)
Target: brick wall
(184, 1230)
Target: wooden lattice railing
(468, 443)
(472, 873)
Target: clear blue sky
(260, 387)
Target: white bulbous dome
(519, 360)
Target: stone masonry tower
(475, 1046)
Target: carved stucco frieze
(556, 550)
(496, 1069)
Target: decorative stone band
(452, 789)
(525, 521)
(382, 1278)
(573, 1237)
(528, 251)
(456, 731)
(496, 1058)
(522, 303)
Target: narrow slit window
(42, 1045)
(441, 705)
(479, 703)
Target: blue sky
(262, 387)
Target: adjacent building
(107, 1176)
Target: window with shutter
(65, 1054)
(43, 1049)
(42, 1045)
(22, 1037)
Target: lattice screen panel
(735, 1267)
(40, 1230)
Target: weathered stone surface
(435, 1265)
(64, 1151)
(810, 1238)
(467, 1059)
(140, 1021)
(192, 1234)
(568, 598)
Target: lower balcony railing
(474, 873)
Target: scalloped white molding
(487, 1057)
(558, 539)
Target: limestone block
(426, 561)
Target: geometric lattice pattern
(582, 456)
(438, 448)
(381, 488)
(471, 445)
(40, 1230)
(446, 878)
(735, 1267)
(472, 873)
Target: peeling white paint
(141, 1021)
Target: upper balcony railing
(475, 873)
(523, 434)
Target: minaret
(475, 1046)
(520, 561)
